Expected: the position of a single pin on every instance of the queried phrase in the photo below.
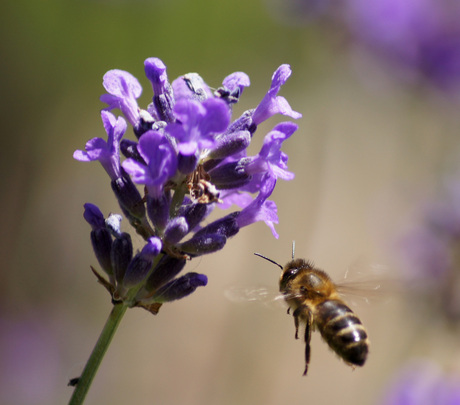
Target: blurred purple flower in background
(431, 253)
(422, 382)
(30, 360)
(414, 41)
(418, 38)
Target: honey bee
(314, 299)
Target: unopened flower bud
(128, 196)
(203, 244)
(226, 226)
(101, 240)
(180, 287)
(141, 264)
(176, 229)
(94, 216)
(194, 213)
(158, 210)
(129, 150)
(168, 268)
(230, 144)
(229, 175)
(121, 255)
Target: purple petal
(260, 209)
(155, 70)
(161, 162)
(123, 89)
(272, 104)
(106, 152)
(270, 158)
(138, 171)
(236, 80)
(163, 99)
(199, 123)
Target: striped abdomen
(343, 331)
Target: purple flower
(199, 124)
(270, 158)
(261, 209)
(236, 81)
(161, 162)
(107, 152)
(232, 87)
(273, 104)
(123, 89)
(190, 157)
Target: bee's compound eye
(287, 276)
(291, 273)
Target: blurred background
(377, 182)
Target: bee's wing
(261, 295)
(367, 282)
(364, 291)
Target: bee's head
(291, 271)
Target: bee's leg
(298, 312)
(304, 312)
(307, 342)
(296, 316)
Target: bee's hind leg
(304, 312)
(307, 343)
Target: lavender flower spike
(190, 156)
(107, 152)
(273, 104)
(123, 89)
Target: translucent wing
(262, 295)
(366, 283)
(252, 294)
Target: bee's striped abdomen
(343, 331)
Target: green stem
(98, 353)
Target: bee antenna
(293, 249)
(270, 260)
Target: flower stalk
(95, 359)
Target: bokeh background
(377, 141)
